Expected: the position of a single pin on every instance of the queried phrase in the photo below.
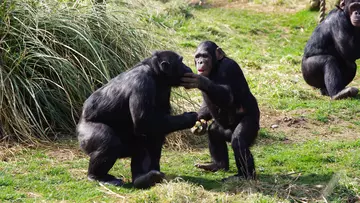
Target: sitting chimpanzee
(227, 100)
(329, 58)
(130, 116)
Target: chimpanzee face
(203, 61)
(180, 68)
(352, 7)
(172, 66)
(207, 57)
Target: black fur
(130, 117)
(228, 100)
(329, 56)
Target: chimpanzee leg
(218, 148)
(312, 71)
(349, 72)
(100, 163)
(154, 147)
(324, 91)
(332, 76)
(337, 76)
(101, 144)
(323, 72)
(145, 164)
(327, 72)
(243, 137)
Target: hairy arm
(204, 112)
(150, 122)
(219, 94)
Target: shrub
(53, 54)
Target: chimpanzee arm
(150, 122)
(218, 94)
(204, 112)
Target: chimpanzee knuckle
(188, 74)
(193, 80)
(186, 80)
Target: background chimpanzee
(228, 100)
(329, 58)
(130, 116)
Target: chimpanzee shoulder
(326, 38)
(118, 89)
(227, 67)
(335, 36)
(230, 73)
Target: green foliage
(53, 56)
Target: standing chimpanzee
(130, 117)
(329, 58)
(228, 100)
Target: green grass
(285, 171)
(311, 156)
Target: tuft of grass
(53, 55)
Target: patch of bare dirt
(64, 154)
(11, 152)
(297, 128)
(33, 195)
(283, 6)
(266, 6)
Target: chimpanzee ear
(220, 54)
(342, 4)
(165, 67)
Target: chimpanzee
(226, 99)
(130, 116)
(329, 57)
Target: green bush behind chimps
(53, 54)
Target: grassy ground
(311, 156)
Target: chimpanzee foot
(213, 167)
(109, 179)
(345, 93)
(149, 179)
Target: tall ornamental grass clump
(53, 54)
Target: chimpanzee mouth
(201, 70)
(356, 22)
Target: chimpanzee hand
(190, 118)
(200, 127)
(191, 80)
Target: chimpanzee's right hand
(192, 80)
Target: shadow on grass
(207, 184)
(357, 97)
(294, 187)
